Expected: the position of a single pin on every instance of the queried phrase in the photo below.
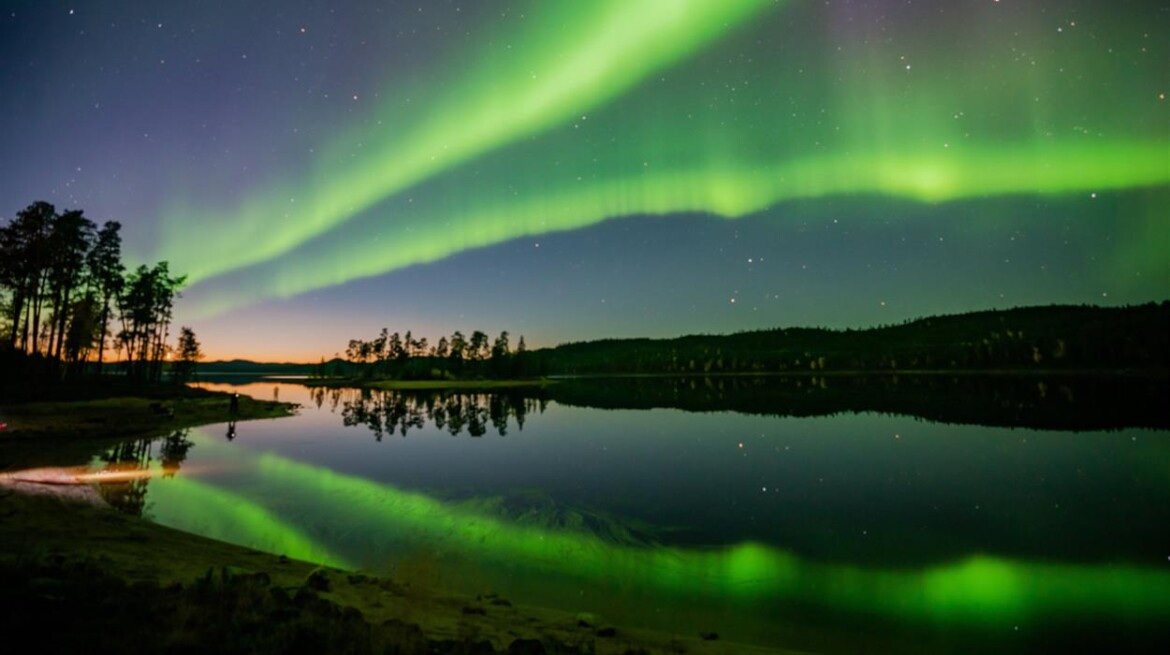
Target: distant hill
(1029, 338)
(1040, 339)
(247, 367)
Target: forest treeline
(1027, 338)
(403, 357)
(66, 299)
(1057, 337)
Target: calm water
(815, 531)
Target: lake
(817, 513)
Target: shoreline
(66, 432)
(80, 541)
(414, 385)
(487, 384)
(130, 413)
(57, 531)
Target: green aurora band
(730, 193)
(574, 57)
(560, 134)
(980, 590)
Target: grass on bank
(79, 421)
(111, 410)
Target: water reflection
(128, 467)
(1048, 402)
(174, 449)
(743, 588)
(843, 489)
(1045, 402)
(126, 493)
(398, 412)
(734, 517)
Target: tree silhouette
(69, 242)
(61, 276)
(478, 346)
(106, 276)
(188, 355)
(520, 368)
(378, 349)
(83, 328)
(458, 345)
(500, 347)
(499, 363)
(353, 351)
(394, 347)
(23, 260)
(145, 309)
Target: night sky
(575, 170)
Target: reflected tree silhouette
(399, 412)
(1052, 402)
(1063, 402)
(174, 451)
(128, 465)
(125, 488)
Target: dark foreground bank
(78, 577)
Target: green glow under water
(611, 109)
(975, 591)
(219, 514)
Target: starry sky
(575, 170)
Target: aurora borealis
(566, 170)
